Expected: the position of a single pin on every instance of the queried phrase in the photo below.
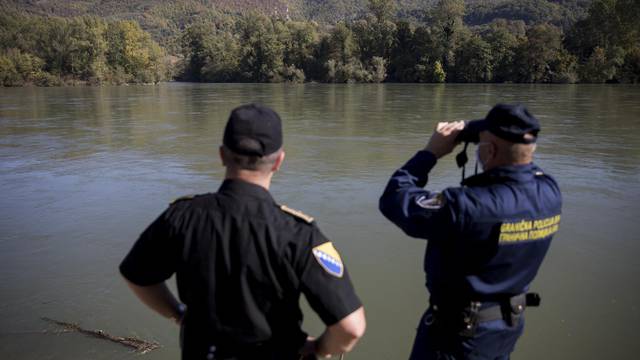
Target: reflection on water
(83, 170)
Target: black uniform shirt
(241, 262)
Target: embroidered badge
(328, 257)
(430, 202)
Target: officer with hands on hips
(242, 261)
(486, 238)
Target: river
(84, 170)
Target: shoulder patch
(181, 198)
(296, 213)
(327, 256)
(431, 202)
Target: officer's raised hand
(443, 140)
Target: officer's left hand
(443, 139)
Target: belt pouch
(515, 310)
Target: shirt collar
(519, 173)
(244, 188)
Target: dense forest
(530, 41)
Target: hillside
(164, 17)
(51, 42)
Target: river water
(84, 170)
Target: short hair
(249, 162)
(517, 153)
(511, 152)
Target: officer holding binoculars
(486, 238)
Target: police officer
(242, 261)
(486, 238)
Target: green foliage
(342, 44)
(603, 40)
(403, 54)
(630, 70)
(53, 51)
(383, 10)
(448, 28)
(18, 68)
(210, 55)
(609, 23)
(261, 56)
(299, 43)
(378, 69)
(292, 74)
(599, 68)
(538, 57)
(132, 50)
(504, 38)
(439, 75)
(355, 71)
(530, 11)
(474, 62)
(550, 41)
(375, 38)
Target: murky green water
(84, 170)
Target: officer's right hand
(443, 140)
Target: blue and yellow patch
(328, 257)
(528, 230)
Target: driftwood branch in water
(138, 345)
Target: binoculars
(470, 133)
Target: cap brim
(476, 126)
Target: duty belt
(466, 319)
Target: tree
(383, 10)
(223, 59)
(342, 44)
(429, 52)
(18, 68)
(299, 45)
(132, 54)
(504, 38)
(317, 68)
(439, 75)
(196, 48)
(602, 39)
(403, 55)
(261, 51)
(597, 69)
(474, 62)
(609, 23)
(563, 68)
(448, 26)
(88, 60)
(378, 69)
(210, 55)
(374, 38)
(536, 56)
(56, 44)
(630, 70)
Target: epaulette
(181, 198)
(539, 173)
(297, 213)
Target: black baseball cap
(508, 122)
(253, 130)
